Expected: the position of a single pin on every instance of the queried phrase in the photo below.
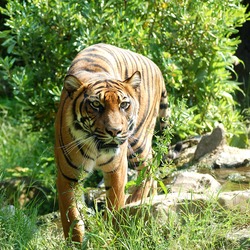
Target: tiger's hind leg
(141, 192)
(148, 184)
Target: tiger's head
(103, 112)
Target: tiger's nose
(114, 131)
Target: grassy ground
(25, 154)
(208, 229)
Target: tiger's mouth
(108, 146)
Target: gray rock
(162, 205)
(231, 157)
(176, 201)
(236, 177)
(235, 200)
(212, 152)
(242, 236)
(195, 183)
(211, 142)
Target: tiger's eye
(125, 105)
(95, 104)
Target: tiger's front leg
(70, 213)
(115, 182)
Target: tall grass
(17, 226)
(207, 229)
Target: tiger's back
(107, 114)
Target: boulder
(162, 205)
(210, 142)
(213, 152)
(195, 183)
(242, 236)
(235, 200)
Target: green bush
(189, 40)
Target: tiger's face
(103, 113)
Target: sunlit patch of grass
(207, 228)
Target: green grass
(17, 226)
(207, 228)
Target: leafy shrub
(189, 40)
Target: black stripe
(134, 165)
(107, 162)
(163, 106)
(66, 177)
(74, 106)
(115, 83)
(112, 53)
(130, 62)
(97, 83)
(91, 48)
(103, 82)
(61, 139)
(80, 70)
(164, 94)
(102, 58)
(83, 153)
(96, 66)
(81, 106)
(85, 59)
(143, 118)
(66, 156)
(125, 63)
(77, 126)
(139, 149)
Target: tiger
(109, 105)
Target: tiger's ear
(134, 80)
(71, 84)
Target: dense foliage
(193, 42)
(189, 41)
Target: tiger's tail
(164, 112)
